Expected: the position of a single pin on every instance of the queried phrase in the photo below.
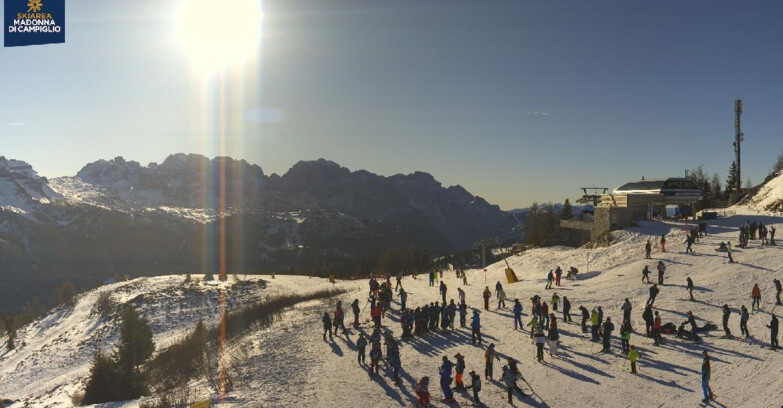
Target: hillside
(289, 364)
(768, 197)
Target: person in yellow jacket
(594, 325)
(633, 355)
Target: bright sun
(218, 33)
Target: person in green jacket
(633, 355)
(533, 323)
(594, 324)
(555, 301)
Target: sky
(517, 101)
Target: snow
(289, 364)
(769, 198)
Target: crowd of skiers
(441, 315)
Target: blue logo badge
(33, 22)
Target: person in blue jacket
(517, 314)
(445, 379)
(706, 373)
(475, 328)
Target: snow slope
(289, 364)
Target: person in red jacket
(756, 295)
(657, 329)
(376, 313)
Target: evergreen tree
(11, 338)
(731, 181)
(101, 387)
(529, 225)
(134, 349)
(568, 212)
(778, 166)
(716, 193)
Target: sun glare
(216, 34)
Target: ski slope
(289, 365)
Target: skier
(594, 327)
(490, 355)
(567, 310)
(376, 313)
(607, 334)
(375, 353)
(544, 314)
(657, 329)
(451, 313)
(726, 315)
(361, 344)
(626, 308)
(461, 295)
(498, 288)
(540, 340)
(689, 242)
(554, 336)
(487, 294)
(432, 277)
(555, 301)
(327, 325)
(647, 315)
(422, 389)
(475, 328)
(633, 355)
(445, 379)
(744, 321)
(475, 386)
(463, 313)
(511, 383)
(517, 315)
(778, 289)
(653, 294)
(694, 328)
(731, 260)
(773, 332)
(661, 270)
(690, 288)
(772, 235)
(625, 335)
(403, 298)
(460, 367)
(647, 249)
(646, 274)
(443, 290)
(585, 318)
(756, 296)
(533, 324)
(502, 299)
(706, 373)
(355, 309)
(464, 278)
(558, 274)
(550, 278)
(393, 357)
(339, 318)
(663, 243)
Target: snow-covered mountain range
(117, 217)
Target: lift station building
(635, 200)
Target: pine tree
(778, 166)
(101, 387)
(716, 194)
(568, 212)
(134, 349)
(731, 181)
(11, 338)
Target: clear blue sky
(450, 87)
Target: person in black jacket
(778, 289)
(607, 334)
(726, 315)
(327, 321)
(690, 288)
(773, 332)
(567, 310)
(585, 318)
(460, 367)
(649, 320)
(653, 294)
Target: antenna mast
(740, 137)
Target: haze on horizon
(515, 100)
